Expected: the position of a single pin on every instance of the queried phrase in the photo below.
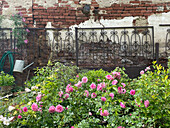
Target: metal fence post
(76, 38)
(157, 52)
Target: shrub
(59, 97)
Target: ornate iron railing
(115, 46)
(166, 51)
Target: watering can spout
(19, 66)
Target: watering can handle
(28, 65)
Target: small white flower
(34, 87)
(11, 118)
(27, 90)
(148, 68)
(1, 118)
(6, 122)
(10, 108)
(34, 92)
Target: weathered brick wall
(103, 13)
(64, 13)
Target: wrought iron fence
(114, 46)
(85, 47)
(166, 51)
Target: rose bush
(59, 97)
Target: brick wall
(64, 13)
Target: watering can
(19, 66)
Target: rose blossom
(60, 93)
(86, 93)
(92, 86)
(93, 95)
(114, 82)
(79, 84)
(120, 127)
(109, 77)
(19, 116)
(123, 91)
(66, 96)
(141, 72)
(99, 87)
(84, 79)
(132, 92)
(26, 41)
(122, 105)
(105, 113)
(103, 98)
(146, 103)
(38, 98)
(111, 95)
(90, 113)
(51, 109)
(59, 108)
(103, 85)
(119, 90)
(124, 85)
(69, 88)
(25, 109)
(34, 107)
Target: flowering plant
(19, 33)
(62, 98)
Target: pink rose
(77, 76)
(120, 127)
(26, 41)
(103, 85)
(142, 72)
(66, 96)
(34, 107)
(19, 116)
(93, 95)
(98, 79)
(72, 126)
(69, 88)
(123, 91)
(59, 108)
(51, 109)
(105, 113)
(27, 30)
(109, 77)
(38, 98)
(84, 79)
(99, 87)
(79, 84)
(25, 109)
(66, 108)
(92, 86)
(60, 93)
(114, 82)
(146, 103)
(20, 111)
(132, 92)
(116, 75)
(90, 113)
(111, 95)
(124, 85)
(86, 93)
(130, 114)
(103, 98)
(122, 105)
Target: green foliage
(6, 79)
(19, 33)
(154, 87)
(83, 111)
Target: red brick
(41, 7)
(135, 2)
(124, 15)
(6, 6)
(29, 18)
